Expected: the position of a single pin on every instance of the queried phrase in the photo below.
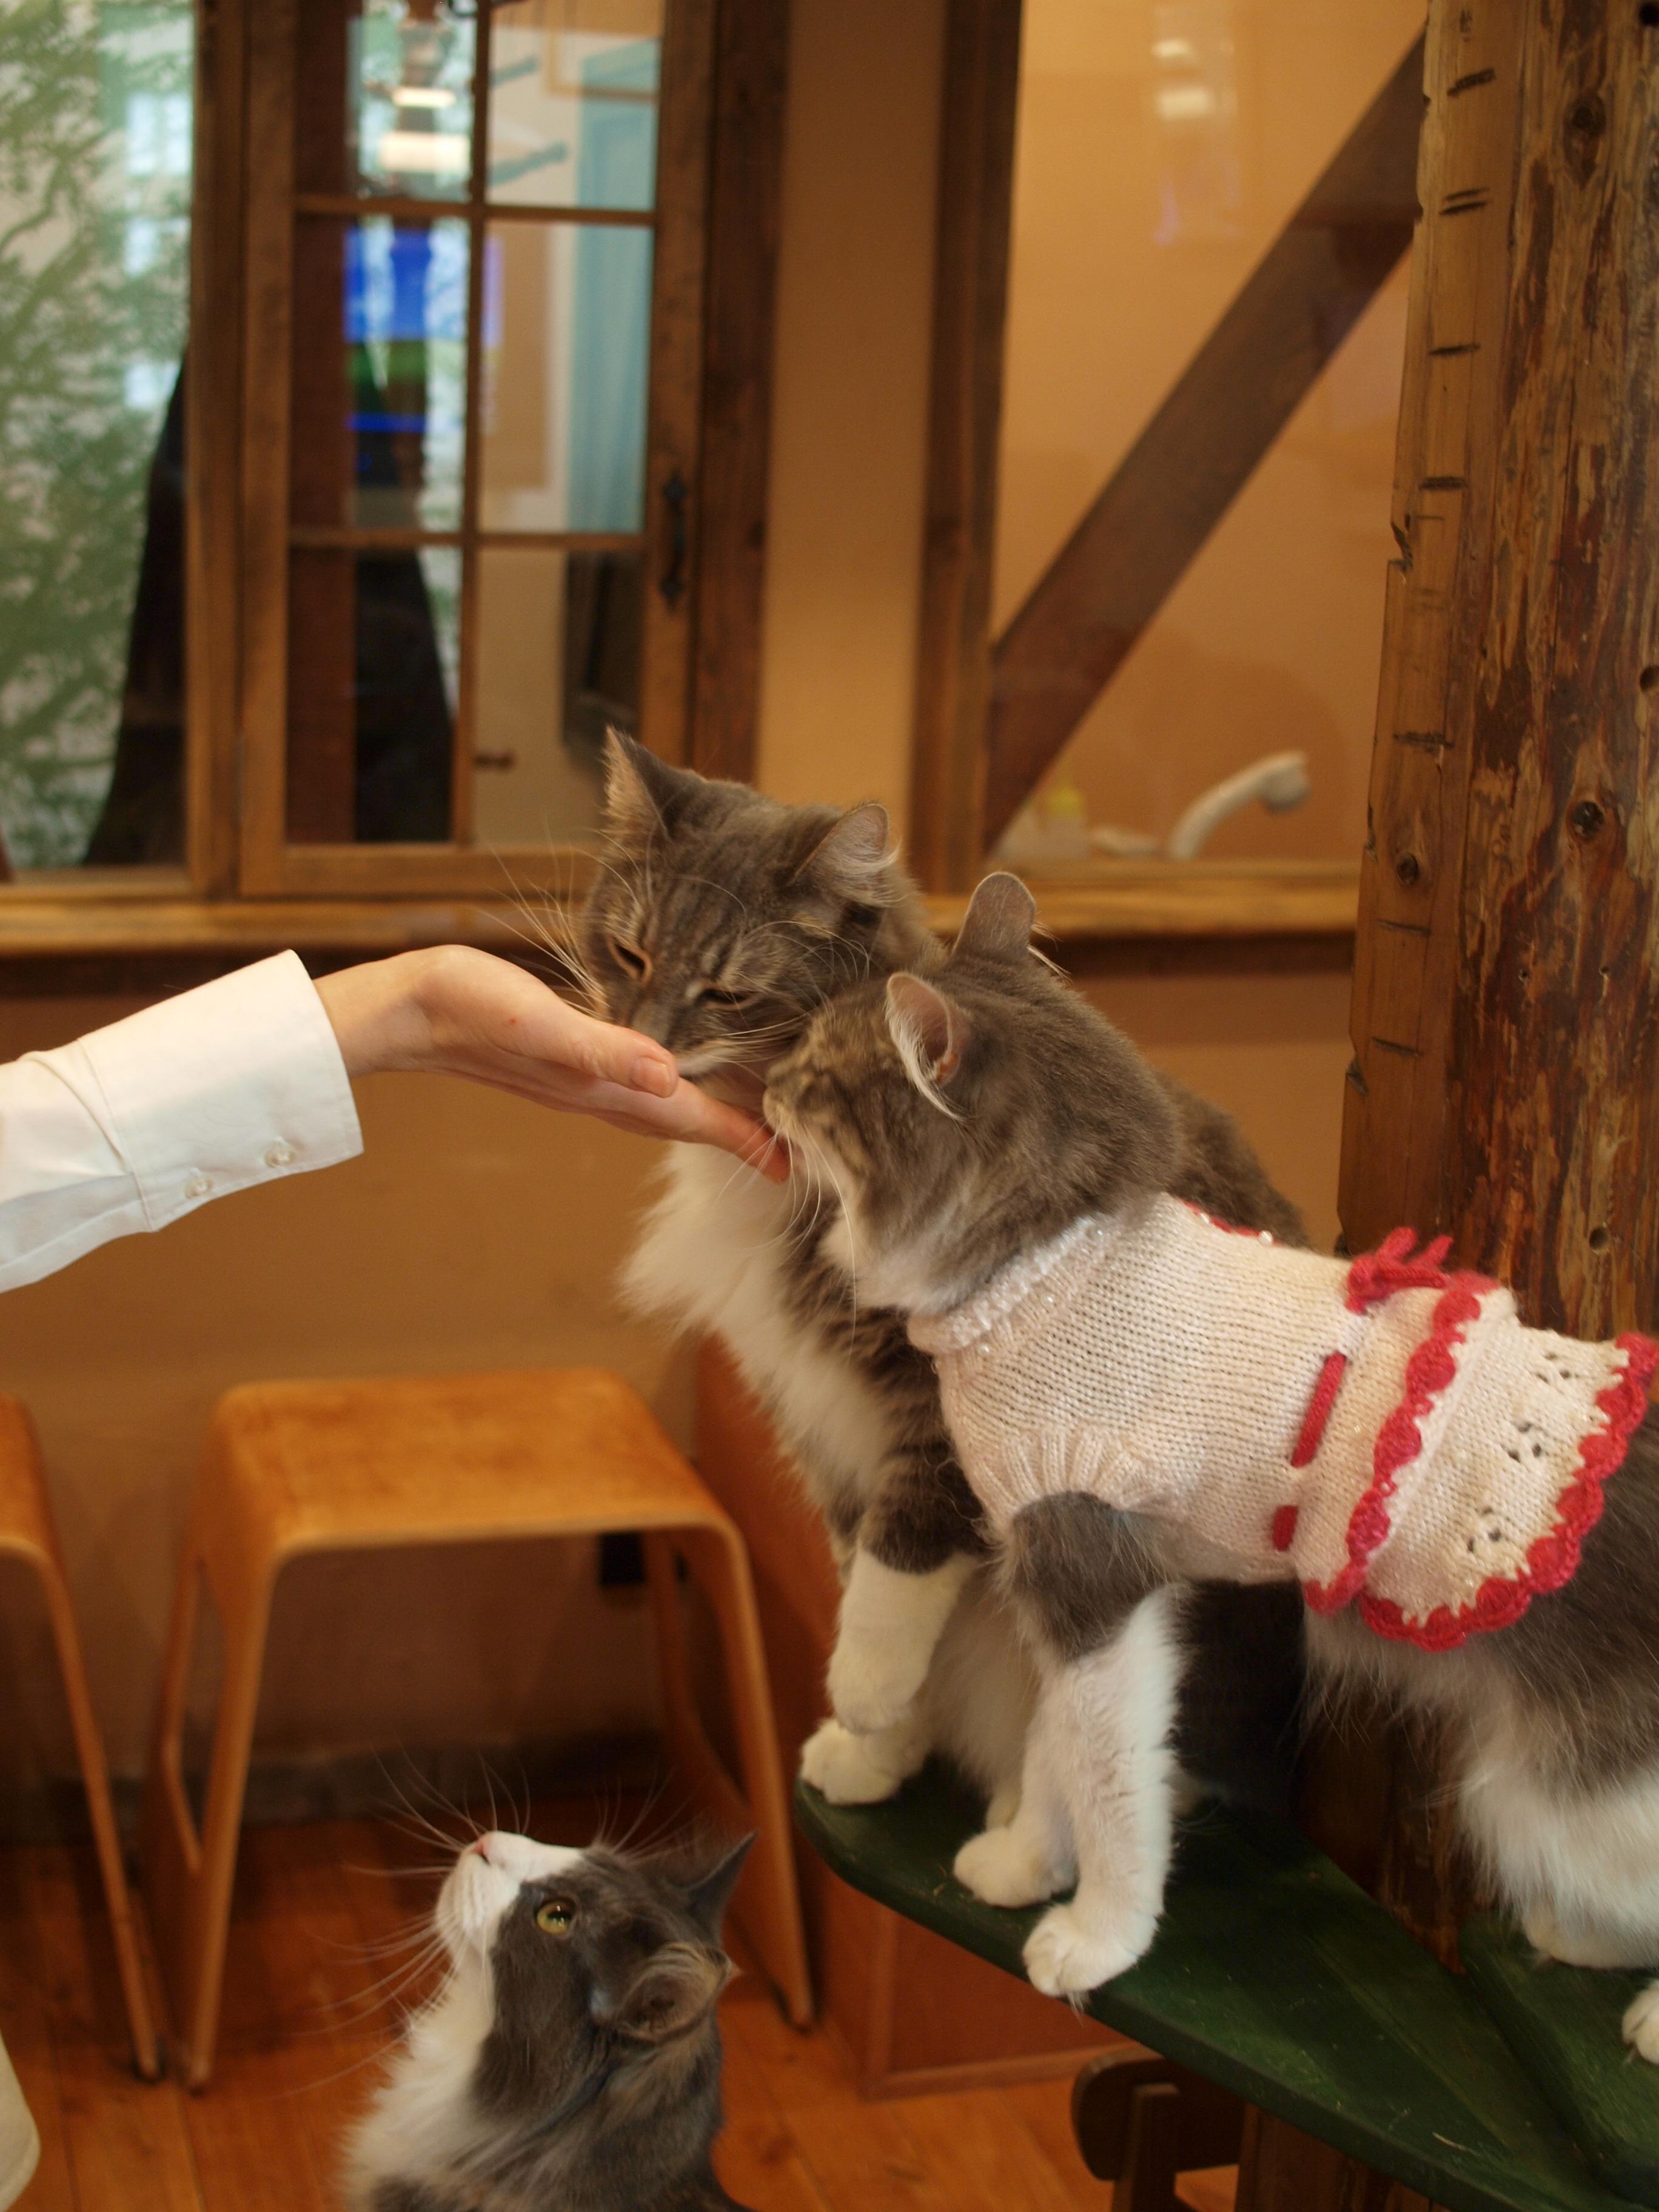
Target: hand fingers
(564, 1038)
(691, 1116)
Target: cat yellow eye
(714, 995)
(629, 956)
(554, 1918)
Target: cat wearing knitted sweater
(1140, 1394)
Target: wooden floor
(314, 1988)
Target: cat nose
(480, 1845)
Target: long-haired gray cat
(571, 2061)
(1138, 1393)
(721, 921)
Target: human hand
(453, 1009)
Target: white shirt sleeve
(232, 1084)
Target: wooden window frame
(971, 763)
(270, 864)
(242, 888)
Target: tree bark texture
(1505, 1083)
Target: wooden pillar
(1505, 1079)
(1505, 1082)
(974, 224)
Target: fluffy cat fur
(966, 1119)
(571, 2061)
(720, 922)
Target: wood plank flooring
(318, 1972)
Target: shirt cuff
(232, 1084)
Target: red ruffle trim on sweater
(1429, 1372)
(1553, 1559)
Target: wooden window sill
(1134, 900)
(1187, 899)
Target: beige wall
(1161, 149)
(854, 301)
(477, 1232)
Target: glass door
(471, 418)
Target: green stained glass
(95, 135)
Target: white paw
(1583, 1946)
(1642, 2024)
(1003, 1867)
(874, 1686)
(1070, 1954)
(846, 1768)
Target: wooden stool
(28, 1533)
(298, 1467)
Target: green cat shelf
(1277, 1978)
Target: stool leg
(94, 1776)
(717, 1558)
(190, 1878)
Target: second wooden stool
(303, 1467)
(29, 1533)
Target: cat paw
(848, 1769)
(1582, 1947)
(1002, 1867)
(873, 1690)
(1642, 2024)
(1068, 1954)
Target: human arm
(457, 1011)
(247, 1078)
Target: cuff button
(198, 1187)
(279, 1156)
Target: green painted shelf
(1276, 1976)
(1563, 2024)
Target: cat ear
(930, 1032)
(854, 859)
(708, 1897)
(642, 793)
(998, 922)
(672, 1992)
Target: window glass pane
(558, 660)
(566, 351)
(410, 123)
(94, 251)
(373, 654)
(1163, 144)
(572, 103)
(380, 374)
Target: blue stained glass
(404, 282)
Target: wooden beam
(1282, 2170)
(1178, 479)
(970, 297)
(752, 69)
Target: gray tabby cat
(571, 2063)
(721, 922)
(970, 1118)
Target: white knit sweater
(1379, 1430)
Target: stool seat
(435, 1459)
(28, 1533)
(297, 1468)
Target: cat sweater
(1383, 1432)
